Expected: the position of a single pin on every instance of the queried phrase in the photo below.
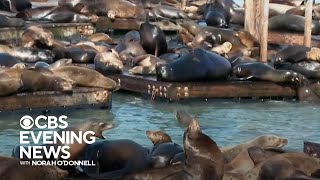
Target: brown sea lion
(120, 8)
(266, 141)
(184, 118)
(101, 37)
(223, 48)
(10, 168)
(203, 159)
(82, 76)
(9, 86)
(37, 36)
(108, 62)
(36, 81)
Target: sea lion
(217, 16)
(10, 22)
(286, 2)
(221, 35)
(37, 36)
(132, 49)
(35, 81)
(203, 159)
(309, 69)
(163, 150)
(118, 8)
(223, 48)
(9, 86)
(203, 64)
(169, 12)
(261, 71)
(33, 55)
(199, 146)
(101, 37)
(60, 63)
(291, 54)
(60, 14)
(87, 77)
(12, 169)
(199, 39)
(115, 159)
(306, 94)
(289, 22)
(266, 141)
(313, 149)
(144, 64)
(80, 55)
(153, 39)
(183, 118)
(108, 62)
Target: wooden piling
(256, 23)
(308, 23)
(264, 30)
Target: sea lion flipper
(257, 154)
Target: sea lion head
(163, 71)
(158, 137)
(296, 78)
(271, 141)
(64, 85)
(216, 19)
(96, 126)
(240, 71)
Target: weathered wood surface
(58, 30)
(104, 24)
(227, 89)
(312, 149)
(49, 99)
(308, 23)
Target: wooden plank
(58, 30)
(264, 30)
(104, 24)
(312, 149)
(252, 13)
(308, 23)
(291, 39)
(217, 89)
(49, 99)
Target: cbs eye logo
(26, 122)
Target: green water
(228, 122)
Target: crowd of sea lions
(200, 158)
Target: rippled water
(228, 122)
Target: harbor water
(228, 122)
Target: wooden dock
(95, 97)
(226, 89)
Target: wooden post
(183, 4)
(256, 23)
(308, 23)
(264, 24)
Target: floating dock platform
(218, 89)
(95, 97)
